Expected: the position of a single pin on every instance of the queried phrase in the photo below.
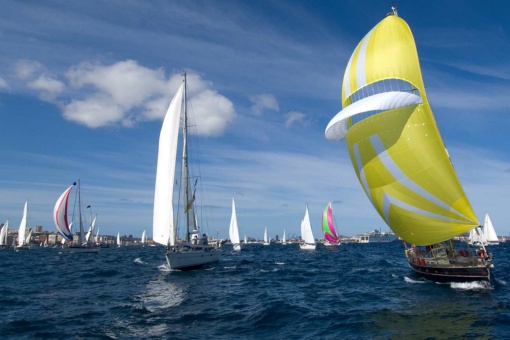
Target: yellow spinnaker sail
(393, 140)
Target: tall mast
(185, 170)
(79, 214)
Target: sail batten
(392, 137)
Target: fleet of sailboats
(307, 239)
(396, 151)
(399, 156)
(191, 252)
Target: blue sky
(84, 86)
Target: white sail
(489, 231)
(27, 240)
(96, 239)
(3, 234)
(245, 239)
(119, 241)
(233, 230)
(163, 217)
(266, 238)
(23, 226)
(144, 237)
(284, 239)
(306, 231)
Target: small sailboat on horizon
(489, 232)
(233, 230)
(4, 235)
(23, 239)
(307, 238)
(328, 227)
(144, 238)
(266, 238)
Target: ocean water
(355, 291)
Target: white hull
(237, 247)
(306, 246)
(23, 247)
(265, 243)
(331, 244)
(191, 259)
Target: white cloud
(26, 69)
(96, 111)
(126, 83)
(125, 93)
(261, 102)
(3, 85)
(294, 117)
(48, 86)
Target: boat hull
(306, 246)
(451, 273)
(191, 259)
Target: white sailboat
(489, 232)
(266, 238)
(144, 238)
(477, 237)
(284, 239)
(191, 252)
(3, 235)
(62, 215)
(307, 239)
(233, 230)
(245, 239)
(119, 241)
(23, 244)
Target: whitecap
(408, 280)
(475, 285)
(164, 268)
(139, 261)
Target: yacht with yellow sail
(400, 158)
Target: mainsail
(328, 227)
(394, 144)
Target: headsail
(328, 226)
(60, 215)
(395, 146)
(23, 226)
(234, 229)
(163, 218)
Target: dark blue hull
(452, 273)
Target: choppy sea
(263, 292)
